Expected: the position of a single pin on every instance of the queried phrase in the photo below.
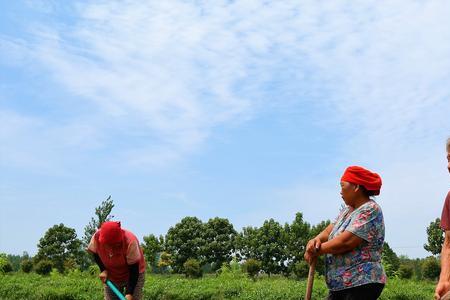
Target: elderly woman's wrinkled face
(348, 192)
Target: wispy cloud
(170, 72)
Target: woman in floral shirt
(354, 241)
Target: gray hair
(448, 144)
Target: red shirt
(117, 260)
(445, 217)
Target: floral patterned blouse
(361, 265)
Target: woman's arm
(344, 242)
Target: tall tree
(219, 236)
(435, 237)
(298, 234)
(267, 244)
(153, 246)
(185, 240)
(102, 214)
(59, 244)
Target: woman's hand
(129, 297)
(312, 250)
(441, 288)
(313, 245)
(103, 276)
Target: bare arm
(344, 242)
(444, 279)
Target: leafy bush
(252, 267)
(26, 266)
(431, 268)
(301, 269)
(405, 272)
(5, 265)
(192, 268)
(93, 270)
(43, 267)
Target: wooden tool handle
(309, 285)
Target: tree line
(192, 247)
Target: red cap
(110, 233)
(358, 175)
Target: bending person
(120, 259)
(354, 242)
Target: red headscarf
(358, 175)
(110, 233)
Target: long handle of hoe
(309, 285)
(113, 287)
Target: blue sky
(247, 110)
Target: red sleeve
(445, 217)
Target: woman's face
(448, 159)
(348, 192)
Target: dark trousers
(369, 291)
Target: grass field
(172, 287)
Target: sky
(246, 110)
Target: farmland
(82, 286)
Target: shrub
(431, 268)
(405, 272)
(26, 266)
(192, 268)
(252, 267)
(43, 267)
(5, 265)
(301, 269)
(93, 270)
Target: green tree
(390, 260)
(435, 237)
(152, 247)
(59, 244)
(185, 240)
(298, 234)
(102, 214)
(219, 236)
(431, 268)
(267, 244)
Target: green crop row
(80, 286)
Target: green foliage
(192, 268)
(5, 265)
(435, 237)
(152, 248)
(301, 269)
(165, 262)
(26, 266)
(390, 260)
(297, 234)
(219, 236)
(81, 287)
(405, 271)
(267, 244)
(93, 270)
(431, 268)
(252, 267)
(59, 244)
(185, 240)
(102, 214)
(43, 267)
